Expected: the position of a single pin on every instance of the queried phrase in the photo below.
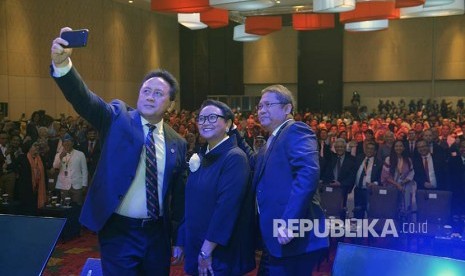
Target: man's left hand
(178, 255)
(286, 238)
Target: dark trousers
(134, 247)
(300, 265)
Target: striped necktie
(151, 177)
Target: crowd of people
(155, 183)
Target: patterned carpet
(69, 257)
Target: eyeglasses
(267, 105)
(212, 118)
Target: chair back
(383, 202)
(332, 199)
(434, 206)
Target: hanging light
(180, 6)
(241, 35)
(433, 3)
(215, 18)
(312, 21)
(408, 3)
(367, 26)
(263, 25)
(191, 21)
(455, 8)
(332, 6)
(371, 10)
(241, 5)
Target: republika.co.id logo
(350, 228)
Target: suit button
(120, 197)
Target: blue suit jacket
(286, 181)
(122, 139)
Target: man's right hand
(60, 55)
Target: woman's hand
(205, 265)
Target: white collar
(159, 125)
(208, 147)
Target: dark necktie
(364, 173)
(338, 168)
(425, 163)
(151, 177)
(91, 146)
(412, 147)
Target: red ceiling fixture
(263, 25)
(180, 6)
(371, 10)
(312, 21)
(409, 3)
(215, 18)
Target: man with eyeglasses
(139, 181)
(286, 175)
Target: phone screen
(75, 38)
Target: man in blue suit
(139, 180)
(286, 180)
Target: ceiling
(284, 7)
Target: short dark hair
(166, 76)
(225, 109)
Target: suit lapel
(170, 156)
(266, 154)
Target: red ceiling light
(409, 3)
(312, 21)
(263, 25)
(371, 10)
(180, 6)
(215, 18)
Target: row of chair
(433, 206)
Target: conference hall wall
(413, 59)
(124, 44)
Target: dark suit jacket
(375, 171)
(457, 184)
(286, 180)
(413, 153)
(23, 188)
(440, 171)
(346, 176)
(122, 137)
(93, 157)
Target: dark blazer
(411, 153)
(375, 171)
(326, 156)
(346, 176)
(440, 170)
(220, 208)
(122, 138)
(286, 180)
(93, 157)
(23, 188)
(457, 185)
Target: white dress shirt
(134, 204)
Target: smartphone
(75, 38)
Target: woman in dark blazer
(30, 184)
(217, 231)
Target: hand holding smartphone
(75, 38)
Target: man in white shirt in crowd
(73, 175)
